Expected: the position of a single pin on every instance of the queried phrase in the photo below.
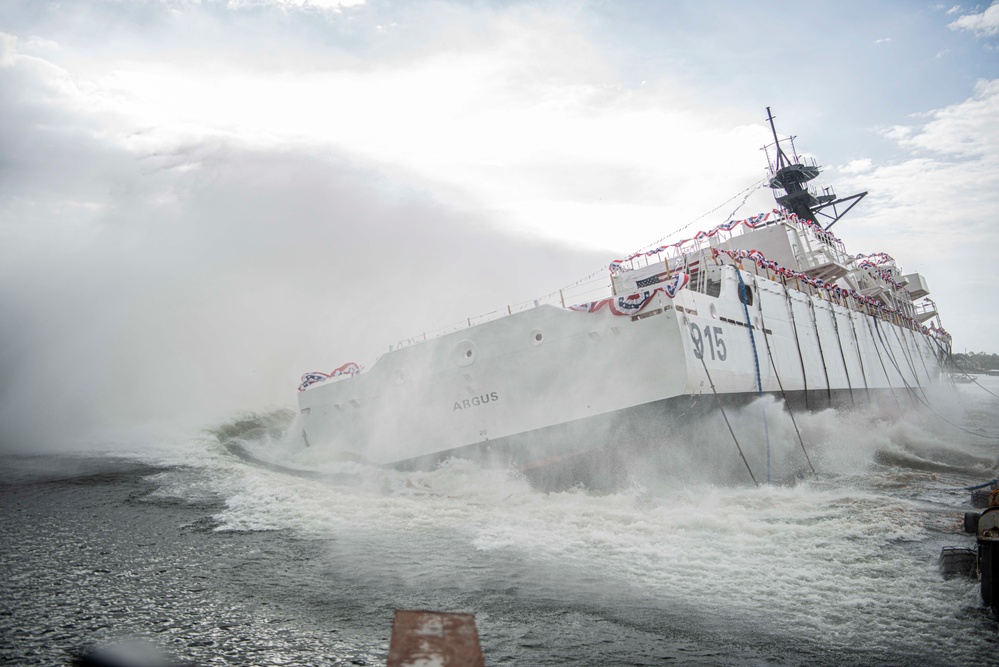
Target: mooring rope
(727, 423)
(951, 359)
(842, 354)
(797, 342)
(910, 363)
(883, 367)
(756, 360)
(822, 354)
(773, 364)
(860, 355)
(916, 396)
(749, 327)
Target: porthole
(537, 337)
(713, 311)
(464, 353)
(748, 291)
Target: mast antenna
(792, 177)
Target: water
(216, 559)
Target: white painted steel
(549, 366)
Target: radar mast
(791, 175)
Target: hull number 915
(712, 336)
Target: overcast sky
(199, 201)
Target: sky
(201, 200)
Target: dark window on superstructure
(713, 288)
(746, 294)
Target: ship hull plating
(551, 387)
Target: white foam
(844, 557)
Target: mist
(207, 283)
(201, 201)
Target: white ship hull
(546, 383)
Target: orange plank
(434, 639)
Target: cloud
(8, 50)
(984, 24)
(185, 228)
(967, 129)
(858, 166)
(334, 6)
(935, 209)
(527, 119)
(187, 284)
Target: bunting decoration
(879, 264)
(309, 379)
(752, 222)
(877, 259)
(875, 263)
(874, 306)
(634, 303)
(676, 283)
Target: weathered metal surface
(434, 639)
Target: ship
(772, 304)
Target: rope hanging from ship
(953, 361)
(834, 290)
(744, 297)
(780, 385)
(721, 408)
(916, 397)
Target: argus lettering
(475, 401)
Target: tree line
(977, 361)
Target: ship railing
(810, 256)
(924, 310)
(673, 254)
(800, 160)
(825, 193)
(590, 288)
(599, 285)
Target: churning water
(290, 556)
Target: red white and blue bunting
(309, 379)
(834, 290)
(634, 303)
(875, 263)
(752, 222)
